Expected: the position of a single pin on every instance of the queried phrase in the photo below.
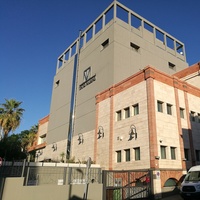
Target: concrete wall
(193, 79)
(14, 189)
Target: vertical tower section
(118, 44)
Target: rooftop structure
(135, 24)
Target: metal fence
(120, 185)
(50, 173)
(117, 185)
(45, 176)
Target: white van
(190, 187)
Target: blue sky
(33, 33)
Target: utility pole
(87, 179)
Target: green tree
(10, 148)
(33, 134)
(10, 115)
(24, 140)
(28, 137)
(15, 146)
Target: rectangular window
(197, 155)
(182, 113)
(127, 154)
(119, 156)
(160, 106)
(173, 153)
(57, 83)
(186, 153)
(169, 109)
(135, 21)
(43, 138)
(148, 27)
(134, 46)
(137, 153)
(179, 48)
(119, 115)
(198, 116)
(192, 115)
(163, 152)
(105, 44)
(170, 42)
(171, 65)
(136, 109)
(127, 112)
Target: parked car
(190, 187)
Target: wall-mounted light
(120, 138)
(132, 132)
(80, 138)
(39, 153)
(54, 146)
(100, 132)
(157, 157)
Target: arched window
(170, 182)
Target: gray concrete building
(123, 94)
(116, 45)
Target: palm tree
(10, 115)
(32, 136)
(28, 138)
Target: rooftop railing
(137, 24)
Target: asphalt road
(174, 197)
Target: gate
(122, 185)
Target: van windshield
(193, 176)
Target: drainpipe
(73, 99)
